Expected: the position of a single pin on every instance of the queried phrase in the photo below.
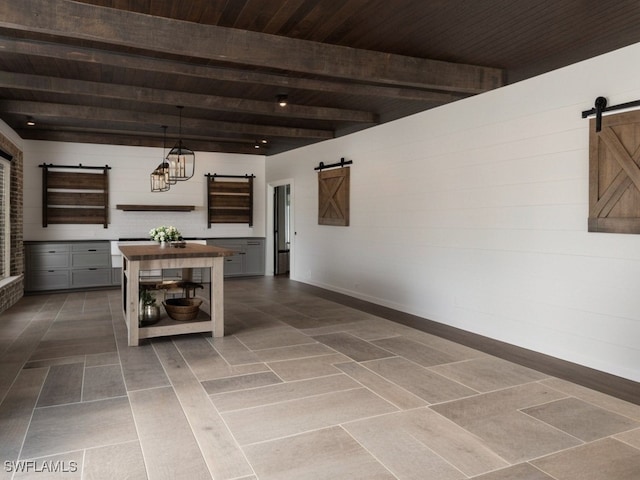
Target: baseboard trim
(607, 383)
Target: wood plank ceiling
(114, 71)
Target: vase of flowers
(164, 234)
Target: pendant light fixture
(182, 161)
(160, 176)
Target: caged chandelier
(181, 160)
(160, 176)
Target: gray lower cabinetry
(249, 259)
(68, 265)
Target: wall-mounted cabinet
(230, 201)
(74, 197)
(68, 265)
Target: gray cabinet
(67, 265)
(249, 259)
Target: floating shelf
(156, 208)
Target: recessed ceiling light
(30, 121)
(282, 100)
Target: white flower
(164, 233)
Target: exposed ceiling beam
(111, 91)
(62, 135)
(55, 111)
(89, 56)
(117, 29)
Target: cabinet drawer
(233, 265)
(48, 260)
(91, 247)
(48, 280)
(48, 248)
(96, 259)
(90, 277)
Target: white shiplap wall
(129, 184)
(474, 214)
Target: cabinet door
(254, 257)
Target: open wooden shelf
(155, 208)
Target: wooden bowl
(182, 309)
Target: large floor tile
(282, 392)
(310, 367)
(418, 380)
(104, 381)
(79, 425)
(495, 418)
(141, 367)
(488, 373)
(581, 419)
(599, 399)
(111, 462)
(421, 444)
(233, 351)
(416, 352)
(391, 392)
(605, 459)
(325, 454)
(353, 347)
(63, 385)
(297, 416)
(273, 338)
(293, 352)
(240, 382)
(16, 409)
(168, 445)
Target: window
(5, 219)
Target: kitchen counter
(137, 258)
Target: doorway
(281, 229)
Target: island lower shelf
(168, 326)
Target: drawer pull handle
(51, 251)
(92, 250)
(93, 269)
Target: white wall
(129, 184)
(474, 214)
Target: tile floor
(299, 388)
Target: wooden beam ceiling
(118, 29)
(113, 71)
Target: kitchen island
(137, 258)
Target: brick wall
(13, 291)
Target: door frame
(270, 241)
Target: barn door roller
(600, 106)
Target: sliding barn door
(333, 196)
(614, 174)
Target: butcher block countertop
(156, 252)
